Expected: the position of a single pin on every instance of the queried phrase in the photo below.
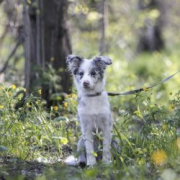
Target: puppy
(93, 106)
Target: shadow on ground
(15, 169)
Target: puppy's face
(88, 73)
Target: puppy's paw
(107, 158)
(82, 160)
(91, 161)
(71, 161)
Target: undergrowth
(148, 135)
(146, 125)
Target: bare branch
(4, 35)
(11, 55)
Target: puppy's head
(88, 73)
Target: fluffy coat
(93, 105)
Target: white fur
(94, 86)
(94, 105)
(93, 112)
(96, 115)
(71, 161)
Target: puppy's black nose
(86, 83)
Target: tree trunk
(103, 10)
(150, 36)
(56, 35)
(46, 42)
(27, 48)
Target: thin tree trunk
(103, 10)
(27, 49)
(38, 34)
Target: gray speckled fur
(93, 112)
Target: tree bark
(56, 35)
(150, 36)
(27, 49)
(46, 42)
(103, 10)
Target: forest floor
(147, 126)
(15, 169)
(12, 168)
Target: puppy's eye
(93, 73)
(81, 73)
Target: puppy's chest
(93, 105)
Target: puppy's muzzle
(86, 84)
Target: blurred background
(140, 36)
(38, 102)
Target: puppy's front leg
(81, 152)
(89, 144)
(107, 145)
(87, 126)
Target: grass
(147, 125)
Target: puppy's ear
(102, 61)
(73, 62)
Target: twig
(11, 55)
(4, 34)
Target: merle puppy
(93, 105)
